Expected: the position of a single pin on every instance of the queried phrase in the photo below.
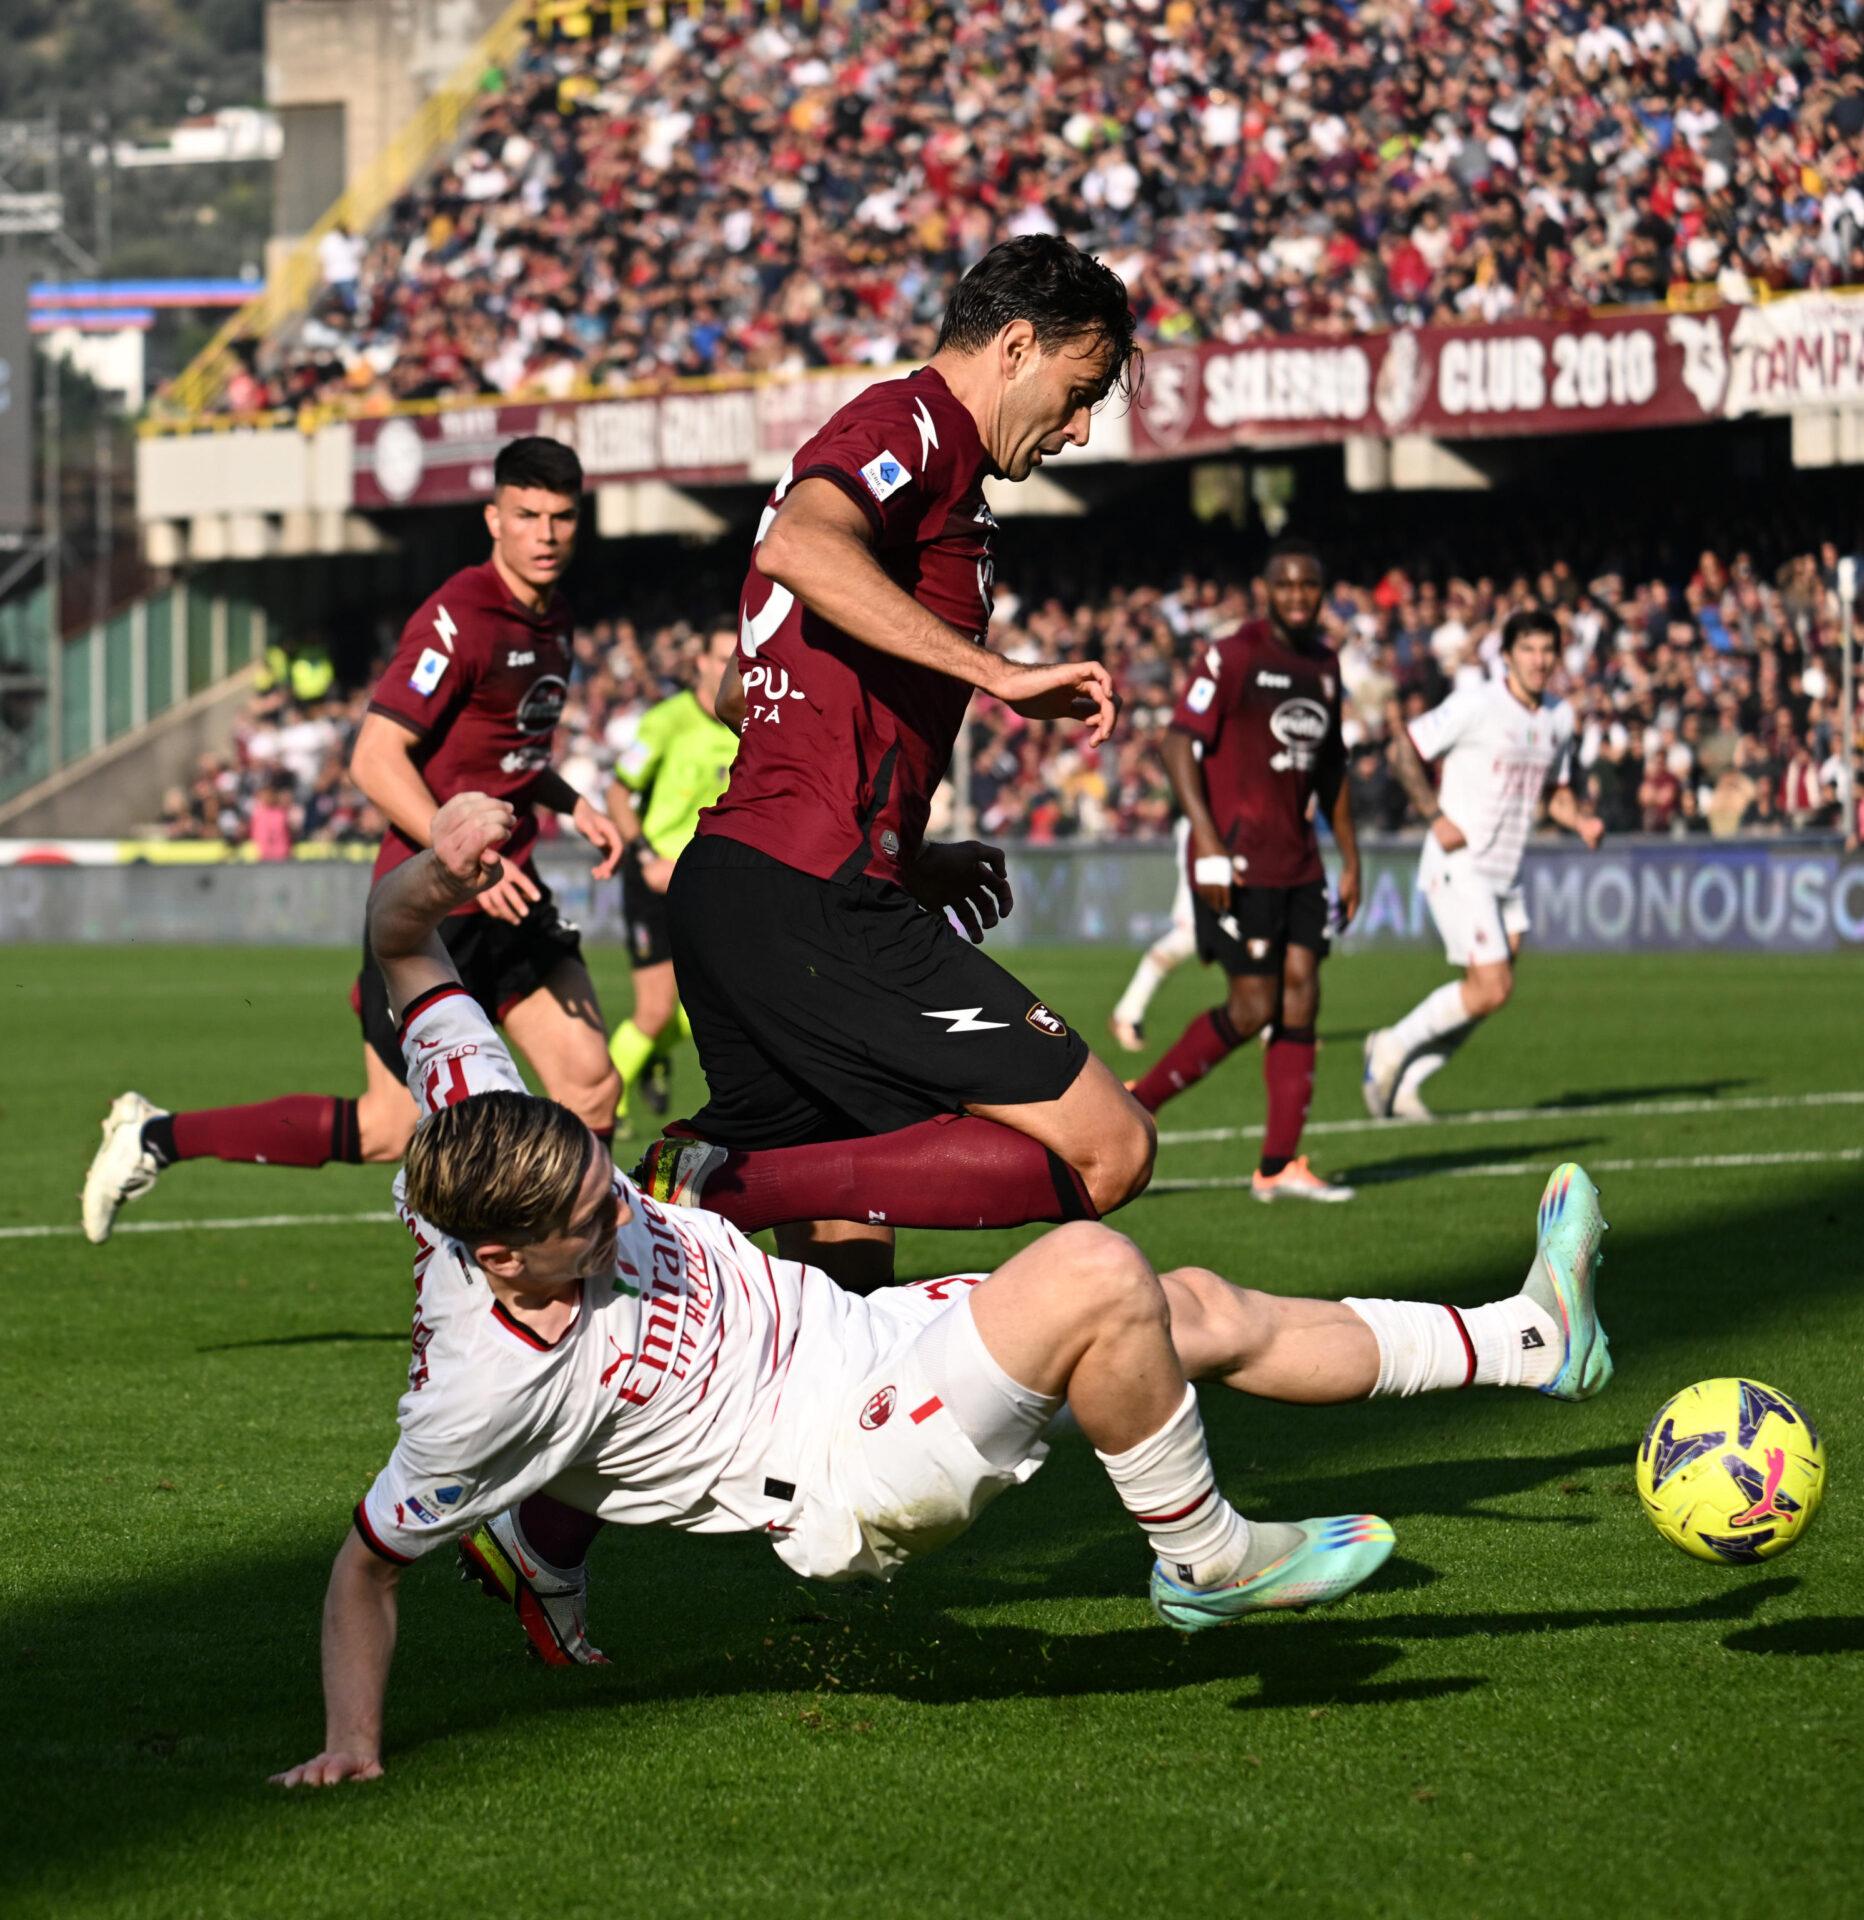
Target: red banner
(1455, 383)
(1590, 374)
(426, 459)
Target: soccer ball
(1731, 1470)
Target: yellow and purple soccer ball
(1731, 1470)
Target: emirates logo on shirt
(879, 1410)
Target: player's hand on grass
(1448, 835)
(1074, 690)
(602, 833)
(467, 833)
(968, 877)
(656, 872)
(330, 1770)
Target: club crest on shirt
(879, 1410)
(885, 475)
(1043, 1021)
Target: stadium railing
(104, 684)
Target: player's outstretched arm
(359, 1643)
(382, 765)
(820, 548)
(407, 907)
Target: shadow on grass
(1625, 1096)
(1816, 1638)
(1422, 1166)
(335, 1338)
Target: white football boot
(122, 1169)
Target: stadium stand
(1708, 705)
(733, 191)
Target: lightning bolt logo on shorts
(964, 1019)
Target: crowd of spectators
(740, 190)
(1704, 705)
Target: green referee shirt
(681, 760)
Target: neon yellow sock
(677, 1029)
(630, 1049)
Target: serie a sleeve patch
(428, 670)
(885, 475)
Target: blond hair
(503, 1167)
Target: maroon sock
(1288, 1073)
(301, 1130)
(1209, 1040)
(561, 1534)
(952, 1171)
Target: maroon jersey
(843, 746)
(480, 680)
(1269, 720)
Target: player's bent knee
(1110, 1280)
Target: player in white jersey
(1500, 747)
(1173, 947)
(581, 1352)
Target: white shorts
(1474, 916)
(881, 1470)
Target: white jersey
(1497, 757)
(654, 1404)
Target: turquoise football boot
(1566, 1266)
(1335, 1556)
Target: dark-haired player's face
(1048, 401)
(1531, 661)
(533, 533)
(1296, 588)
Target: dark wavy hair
(536, 461)
(1065, 295)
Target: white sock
(1426, 1348)
(1435, 1016)
(1132, 1004)
(1170, 1488)
(1421, 1066)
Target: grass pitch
(1537, 1709)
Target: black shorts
(650, 940)
(1262, 923)
(498, 964)
(831, 1011)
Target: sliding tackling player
(574, 1343)
(470, 700)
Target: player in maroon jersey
(868, 1067)
(469, 702)
(1254, 746)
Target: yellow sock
(630, 1049)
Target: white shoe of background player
(122, 1169)
(1408, 1104)
(1379, 1082)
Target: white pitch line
(209, 1226)
(1511, 1116)
(1512, 1169)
